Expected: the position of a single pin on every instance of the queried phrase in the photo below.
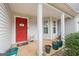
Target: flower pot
(47, 48)
(55, 45)
(60, 42)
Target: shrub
(72, 44)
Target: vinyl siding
(5, 27)
(69, 26)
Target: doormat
(21, 44)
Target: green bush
(72, 44)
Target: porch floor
(30, 49)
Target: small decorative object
(55, 45)
(47, 48)
(31, 39)
(21, 25)
(28, 17)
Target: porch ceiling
(64, 7)
(30, 9)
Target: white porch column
(40, 27)
(62, 27)
(51, 29)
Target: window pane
(46, 30)
(54, 29)
(54, 26)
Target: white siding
(59, 27)
(69, 26)
(32, 29)
(76, 18)
(5, 28)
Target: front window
(46, 27)
(54, 26)
(46, 30)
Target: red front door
(21, 29)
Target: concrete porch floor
(30, 49)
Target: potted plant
(47, 48)
(55, 45)
(58, 43)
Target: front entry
(21, 29)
